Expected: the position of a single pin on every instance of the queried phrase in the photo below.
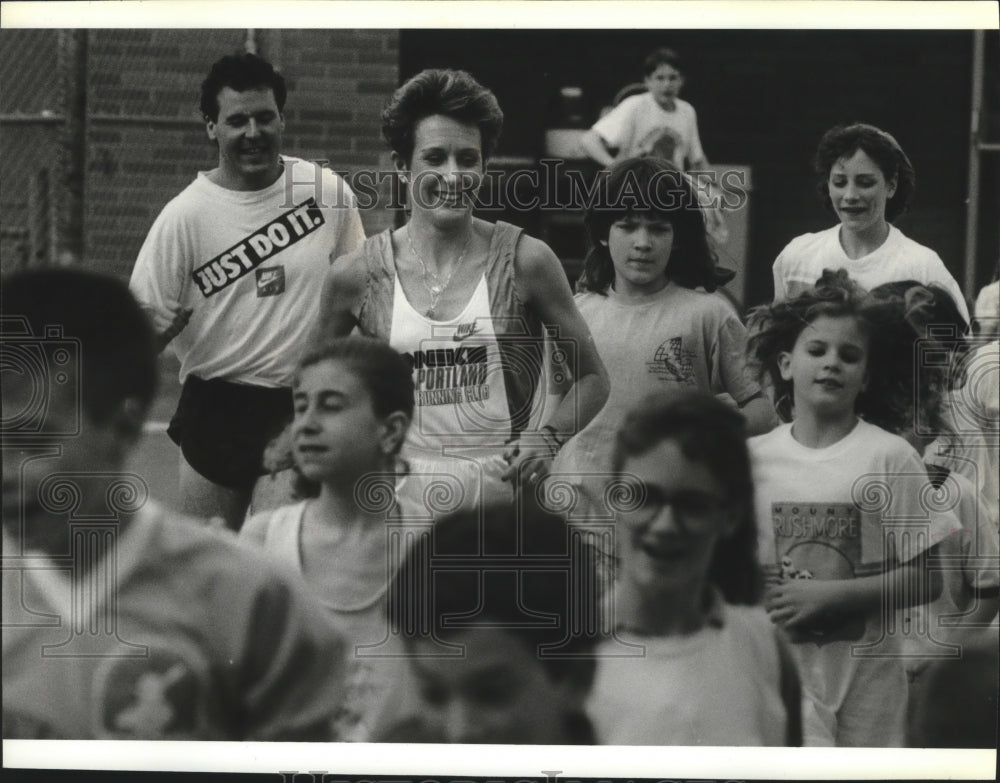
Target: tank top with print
(459, 392)
(476, 374)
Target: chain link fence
(98, 129)
(31, 119)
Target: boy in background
(659, 124)
(656, 122)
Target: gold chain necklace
(437, 288)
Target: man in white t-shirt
(656, 122)
(231, 274)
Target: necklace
(436, 288)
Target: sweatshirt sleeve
(696, 152)
(938, 274)
(778, 273)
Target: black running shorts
(222, 427)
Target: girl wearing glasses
(691, 661)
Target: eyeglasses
(696, 512)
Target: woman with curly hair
(867, 181)
(845, 527)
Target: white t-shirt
(841, 512)
(198, 639)
(718, 686)
(354, 597)
(803, 260)
(969, 561)
(639, 126)
(966, 450)
(974, 411)
(251, 265)
(676, 338)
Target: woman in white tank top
(469, 303)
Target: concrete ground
(155, 458)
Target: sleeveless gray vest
(519, 332)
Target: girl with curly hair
(925, 336)
(846, 527)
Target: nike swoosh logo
(465, 331)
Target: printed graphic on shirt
(147, 698)
(672, 363)
(464, 331)
(660, 142)
(264, 243)
(819, 541)
(270, 281)
(446, 376)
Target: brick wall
(146, 141)
(339, 80)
